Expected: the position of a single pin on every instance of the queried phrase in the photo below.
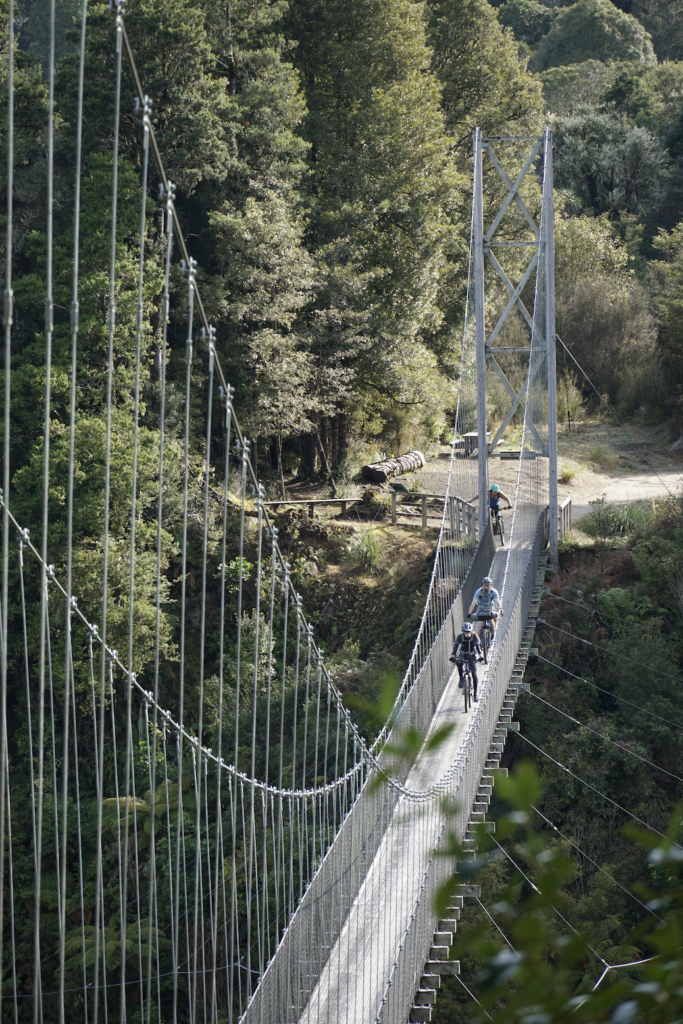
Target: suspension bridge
(269, 862)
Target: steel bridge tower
(521, 232)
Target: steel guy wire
(564, 768)
(606, 739)
(188, 267)
(219, 843)
(615, 618)
(472, 996)
(495, 924)
(68, 667)
(537, 890)
(595, 864)
(202, 639)
(602, 689)
(615, 654)
(133, 522)
(157, 611)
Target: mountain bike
(467, 683)
(485, 635)
(498, 525)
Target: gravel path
(634, 466)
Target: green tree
(669, 272)
(609, 163)
(663, 19)
(593, 30)
(528, 19)
(484, 80)
(384, 203)
(269, 278)
(568, 88)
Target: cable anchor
(189, 268)
(143, 110)
(166, 200)
(209, 337)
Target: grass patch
(567, 473)
(601, 456)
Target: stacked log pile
(381, 471)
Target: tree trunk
(280, 473)
(381, 471)
(310, 455)
(335, 443)
(323, 438)
(254, 456)
(273, 454)
(323, 459)
(343, 434)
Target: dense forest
(321, 154)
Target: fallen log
(381, 471)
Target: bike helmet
(487, 581)
(467, 627)
(495, 488)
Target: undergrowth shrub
(615, 520)
(370, 548)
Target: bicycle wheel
(501, 531)
(466, 688)
(485, 642)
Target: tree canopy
(593, 30)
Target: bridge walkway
(351, 985)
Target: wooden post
(311, 509)
(343, 506)
(393, 507)
(424, 511)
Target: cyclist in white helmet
(467, 648)
(486, 603)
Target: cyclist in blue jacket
(467, 648)
(486, 603)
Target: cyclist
(467, 648)
(495, 494)
(486, 602)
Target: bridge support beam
(550, 337)
(480, 332)
(536, 238)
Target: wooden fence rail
(461, 513)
